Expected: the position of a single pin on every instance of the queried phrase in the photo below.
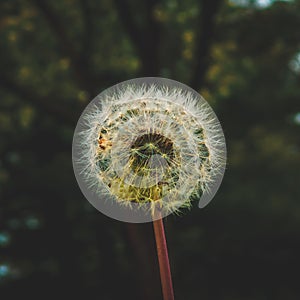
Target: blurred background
(243, 56)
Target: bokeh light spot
(295, 63)
(4, 270)
(257, 3)
(4, 239)
(32, 223)
(64, 63)
(82, 96)
(297, 118)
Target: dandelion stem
(163, 260)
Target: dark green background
(242, 56)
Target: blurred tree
(243, 57)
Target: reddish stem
(163, 260)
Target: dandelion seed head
(148, 145)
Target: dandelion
(148, 145)
(144, 149)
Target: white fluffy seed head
(144, 148)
